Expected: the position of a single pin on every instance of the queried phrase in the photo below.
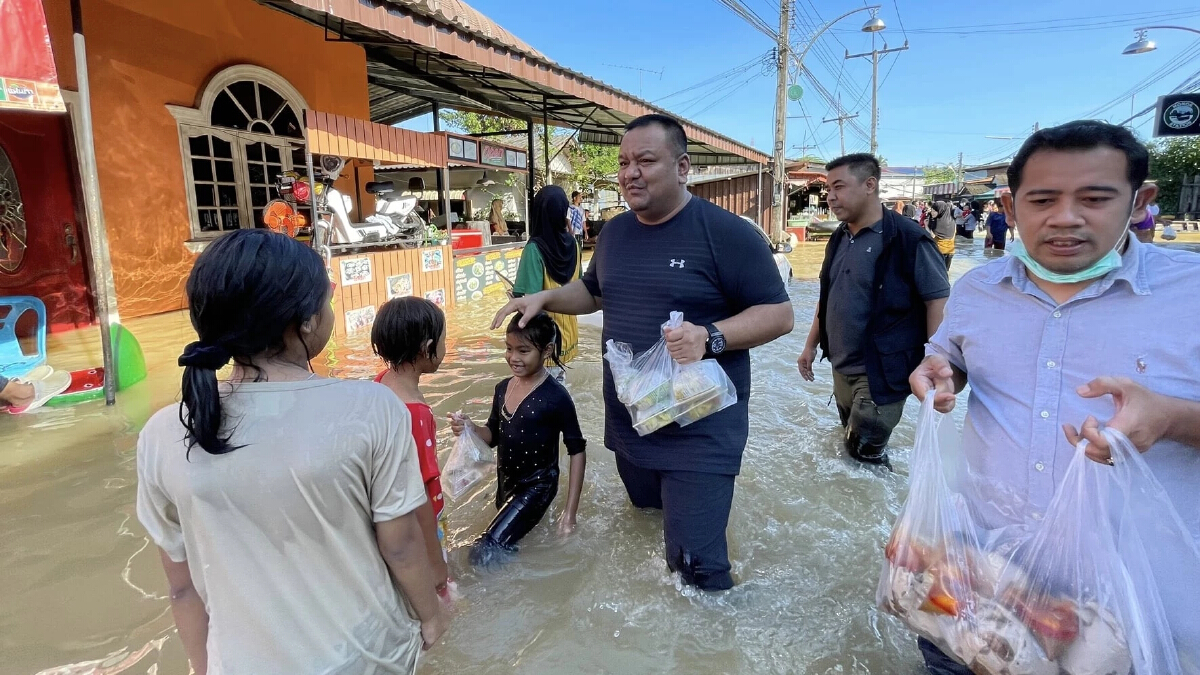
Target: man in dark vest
(883, 288)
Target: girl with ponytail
(282, 502)
(530, 412)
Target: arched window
(12, 218)
(245, 133)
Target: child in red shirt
(410, 336)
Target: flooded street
(83, 590)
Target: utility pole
(779, 215)
(841, 122)
(961, 178)
(875, 54)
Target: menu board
(468, 278)
(477, 275)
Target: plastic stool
(13, 361)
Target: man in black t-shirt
(672, 252)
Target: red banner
(28, 80)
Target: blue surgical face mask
(1107, 263)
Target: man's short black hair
(1084, 135)
(675, 132)
(862, 165)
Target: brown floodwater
(82, 590)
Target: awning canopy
(330, 134)
(416, 57)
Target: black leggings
(518, 515)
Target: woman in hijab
(551, 259)
(496, 218)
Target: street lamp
(1143, 44)
(873, 25)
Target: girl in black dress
(530, 411)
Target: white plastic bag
(1081, 592)
(1168, 233)
(469, 462)
(657, 391)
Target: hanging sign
(28, 79)
(1177, 115)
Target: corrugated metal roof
(445, 51)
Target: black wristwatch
(715, 345)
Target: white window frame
(196, 122)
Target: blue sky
(973, 69)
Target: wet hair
(860, 165)
(676, 136)
(1084, 135)
(541, 332)
(245, 292)
(402, 328)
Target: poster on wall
(399, 286)
(510, 158)
(493, 155)
(470, 151)
(359, 319)
(520, 160)
(456, 148)
(468, 278)
(28, 78)
(432, 260)
(437, 297)
(355, 271)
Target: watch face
(718, 344)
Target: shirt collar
(1132, 271)
(878, 227)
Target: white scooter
(379, 228)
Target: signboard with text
(1177, 115)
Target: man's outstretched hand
(934, 374)
(1142, 415)
(527, 306)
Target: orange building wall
(146, 54)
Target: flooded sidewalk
(83, 591)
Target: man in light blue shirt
(1091, 325)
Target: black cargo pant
(868, 426)
(695, 510)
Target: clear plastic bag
(657, 391)
(469, 462)
(1081, 592)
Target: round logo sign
(1181, 114)
(795, 92)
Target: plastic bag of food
(658, 391)
(1079, 592)
(469, 462)
(643, 382)
(701, 389)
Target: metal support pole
(101, 261)
(529, 174)
(779, 216)
(546, 142)
(443, 176)
(759, 200)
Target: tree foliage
(1170, 161)
(592, 166)
(939, 173)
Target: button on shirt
(1025, 355)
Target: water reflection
(83, 586)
